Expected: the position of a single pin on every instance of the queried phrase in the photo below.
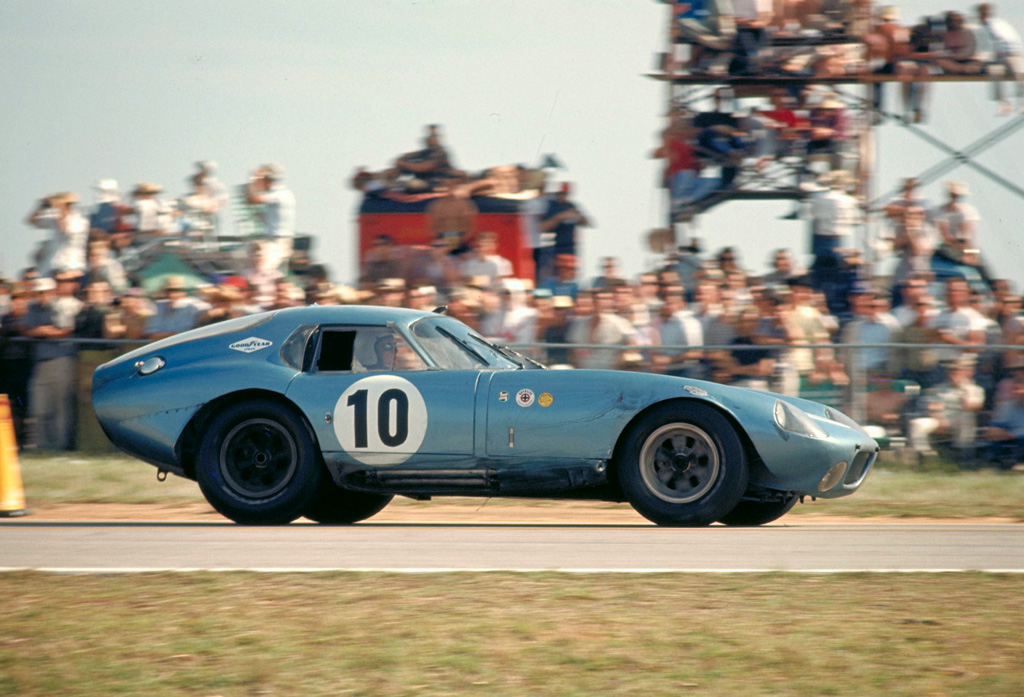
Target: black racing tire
(333, 505)
(753, 513)
(258, 463)
(683, 465)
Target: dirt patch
(405, 511)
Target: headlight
(841, 418)
(791, 419)
(832, 477)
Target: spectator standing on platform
(53, 383)
(152, 216)
(683, 167)
(197, 211)
(957, 223)
(69, 233)
(452, 217)
(1007, 50)
(429, 165)
(835, 216)
(895, 46)
(564, 218)
(214, 188)
(752, 20)
(106, 216)
(268, 190)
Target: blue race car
(328, 412)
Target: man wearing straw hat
(70, 231)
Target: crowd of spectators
(706, 152)
(823, 38)
(696, 316)
(429, 175)
(749, 127)
(122, 228)
(707, 317)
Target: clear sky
(138, 91)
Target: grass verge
(511, 634)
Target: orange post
(12, 494)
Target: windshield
(454, 346)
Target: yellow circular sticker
(545, 399)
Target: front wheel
(752, 513)
(258, 463)
(683, 465)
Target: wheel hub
(682, 462)
(258, 458)
(679, 463)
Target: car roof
(349, 314)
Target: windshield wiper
(463, 344)
(512, 354)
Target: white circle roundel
(381, 420)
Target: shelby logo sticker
(251, 344)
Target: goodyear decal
(253, 343)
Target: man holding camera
(70, 232)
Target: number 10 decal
(357, 400)
(381, 420)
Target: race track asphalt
(407, 547)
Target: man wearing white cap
(52, 387)
(957, 223)
(106, 215)
(70, 231)
(267, 189)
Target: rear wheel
(258, 463)
(333, 505)
(751, 513)
(683, 465)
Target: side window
(383, 350)
(336, 350)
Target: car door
(553, 414)
(380, 413)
